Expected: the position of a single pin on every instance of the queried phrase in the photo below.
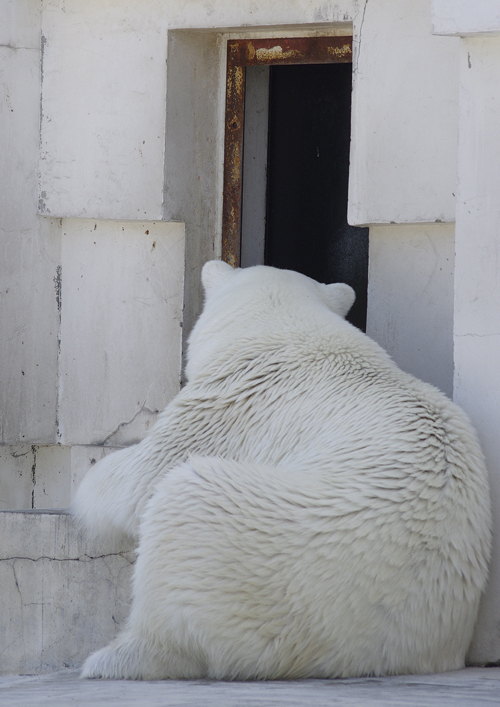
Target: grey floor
(472, 687)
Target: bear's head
(245, 304)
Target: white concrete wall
(462, 18)
(41, 477)
(477, 288)
(241, 14)
(103, 109)
(103, 98)
(16, 476)
(104, 127)
(120, 329)
(123, 296)
(193, 154)
(404, 117)
(30, 246)
(410, 298)
(128, 141)
(62, 596)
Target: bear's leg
(129, 657)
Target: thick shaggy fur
(303, 508)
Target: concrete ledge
(472, 687)
(62, 596)
(457, 18)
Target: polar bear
(302, 508)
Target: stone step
(63, 596)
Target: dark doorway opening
(307, 179)
(287, 162)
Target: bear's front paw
(126, 658)
(102, 664)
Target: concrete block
(214, 14)
(121, 328)
(16, 476)
(477, 288)
(194, 154)
(21, 22)
(82, 459)
(52, 477)
(404, 116)
(477, 309)
(62, 596)
(38, 477)
(19, 116)
(103, 109)
(29, 319)
(458, 18)
(477, 391)
(410, 298)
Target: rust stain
(237, 79)
(233, 152)
(295, 50)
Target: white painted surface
(121, 328)
(404, 118)
(410, 298)
(103, 109)
(477, 288)
(463, 17)
(65, 597)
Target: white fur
(323, 514)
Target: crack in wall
(82, 558)
(358, 53)
(14, 48)
(119, 427)
(21, 454)
(33, 475)
(58, 291)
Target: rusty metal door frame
(259, 52)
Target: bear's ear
(215, 273)
(338, 297)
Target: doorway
(286, 173)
